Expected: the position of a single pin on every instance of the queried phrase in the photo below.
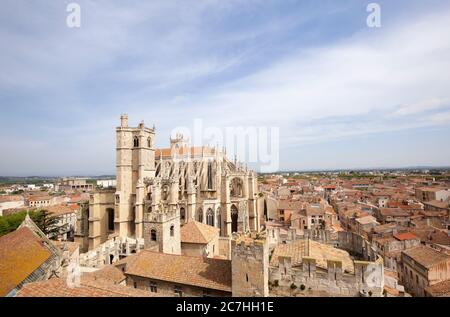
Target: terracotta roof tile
(427, 257)
(405, 236)
(290, 204)
(21, 253)
(432, 235)
(71, 246)
(38, 198)
(394, 212)
(88, 288)
(441, 289)
(108, 273)
(321, 252)
(5, 198)
(197, 232)
(59, 210)
(197, 271)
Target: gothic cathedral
(159, 190)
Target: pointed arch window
(136, 141)
(172, 230)
(200, 215)
(149, 142)
(219, 220)
(210, 217)
(182, 215)
(210, 186)
(110, 219)
(234, 218)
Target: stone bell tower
(135, 161)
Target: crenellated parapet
(310, 270)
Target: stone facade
(422, 267)
(162, 231)
(357, 245)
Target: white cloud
(422, 106)
(362, 80)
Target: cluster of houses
(404, 219)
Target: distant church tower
(135, 161)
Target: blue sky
(343, 95)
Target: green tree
(49, 224)
(10, 223)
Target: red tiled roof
(38, 198)
(394, 212)
(21, 253)
(6, 198)
(109, 274)
(59, 210)
(58, 287)
(290, 204)
(426, 256)
(197, 232)
(405, 236)
(441, 289)
(188, 270)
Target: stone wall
(250, 270)
(225, 247)
(367, 279)
(356, 245)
